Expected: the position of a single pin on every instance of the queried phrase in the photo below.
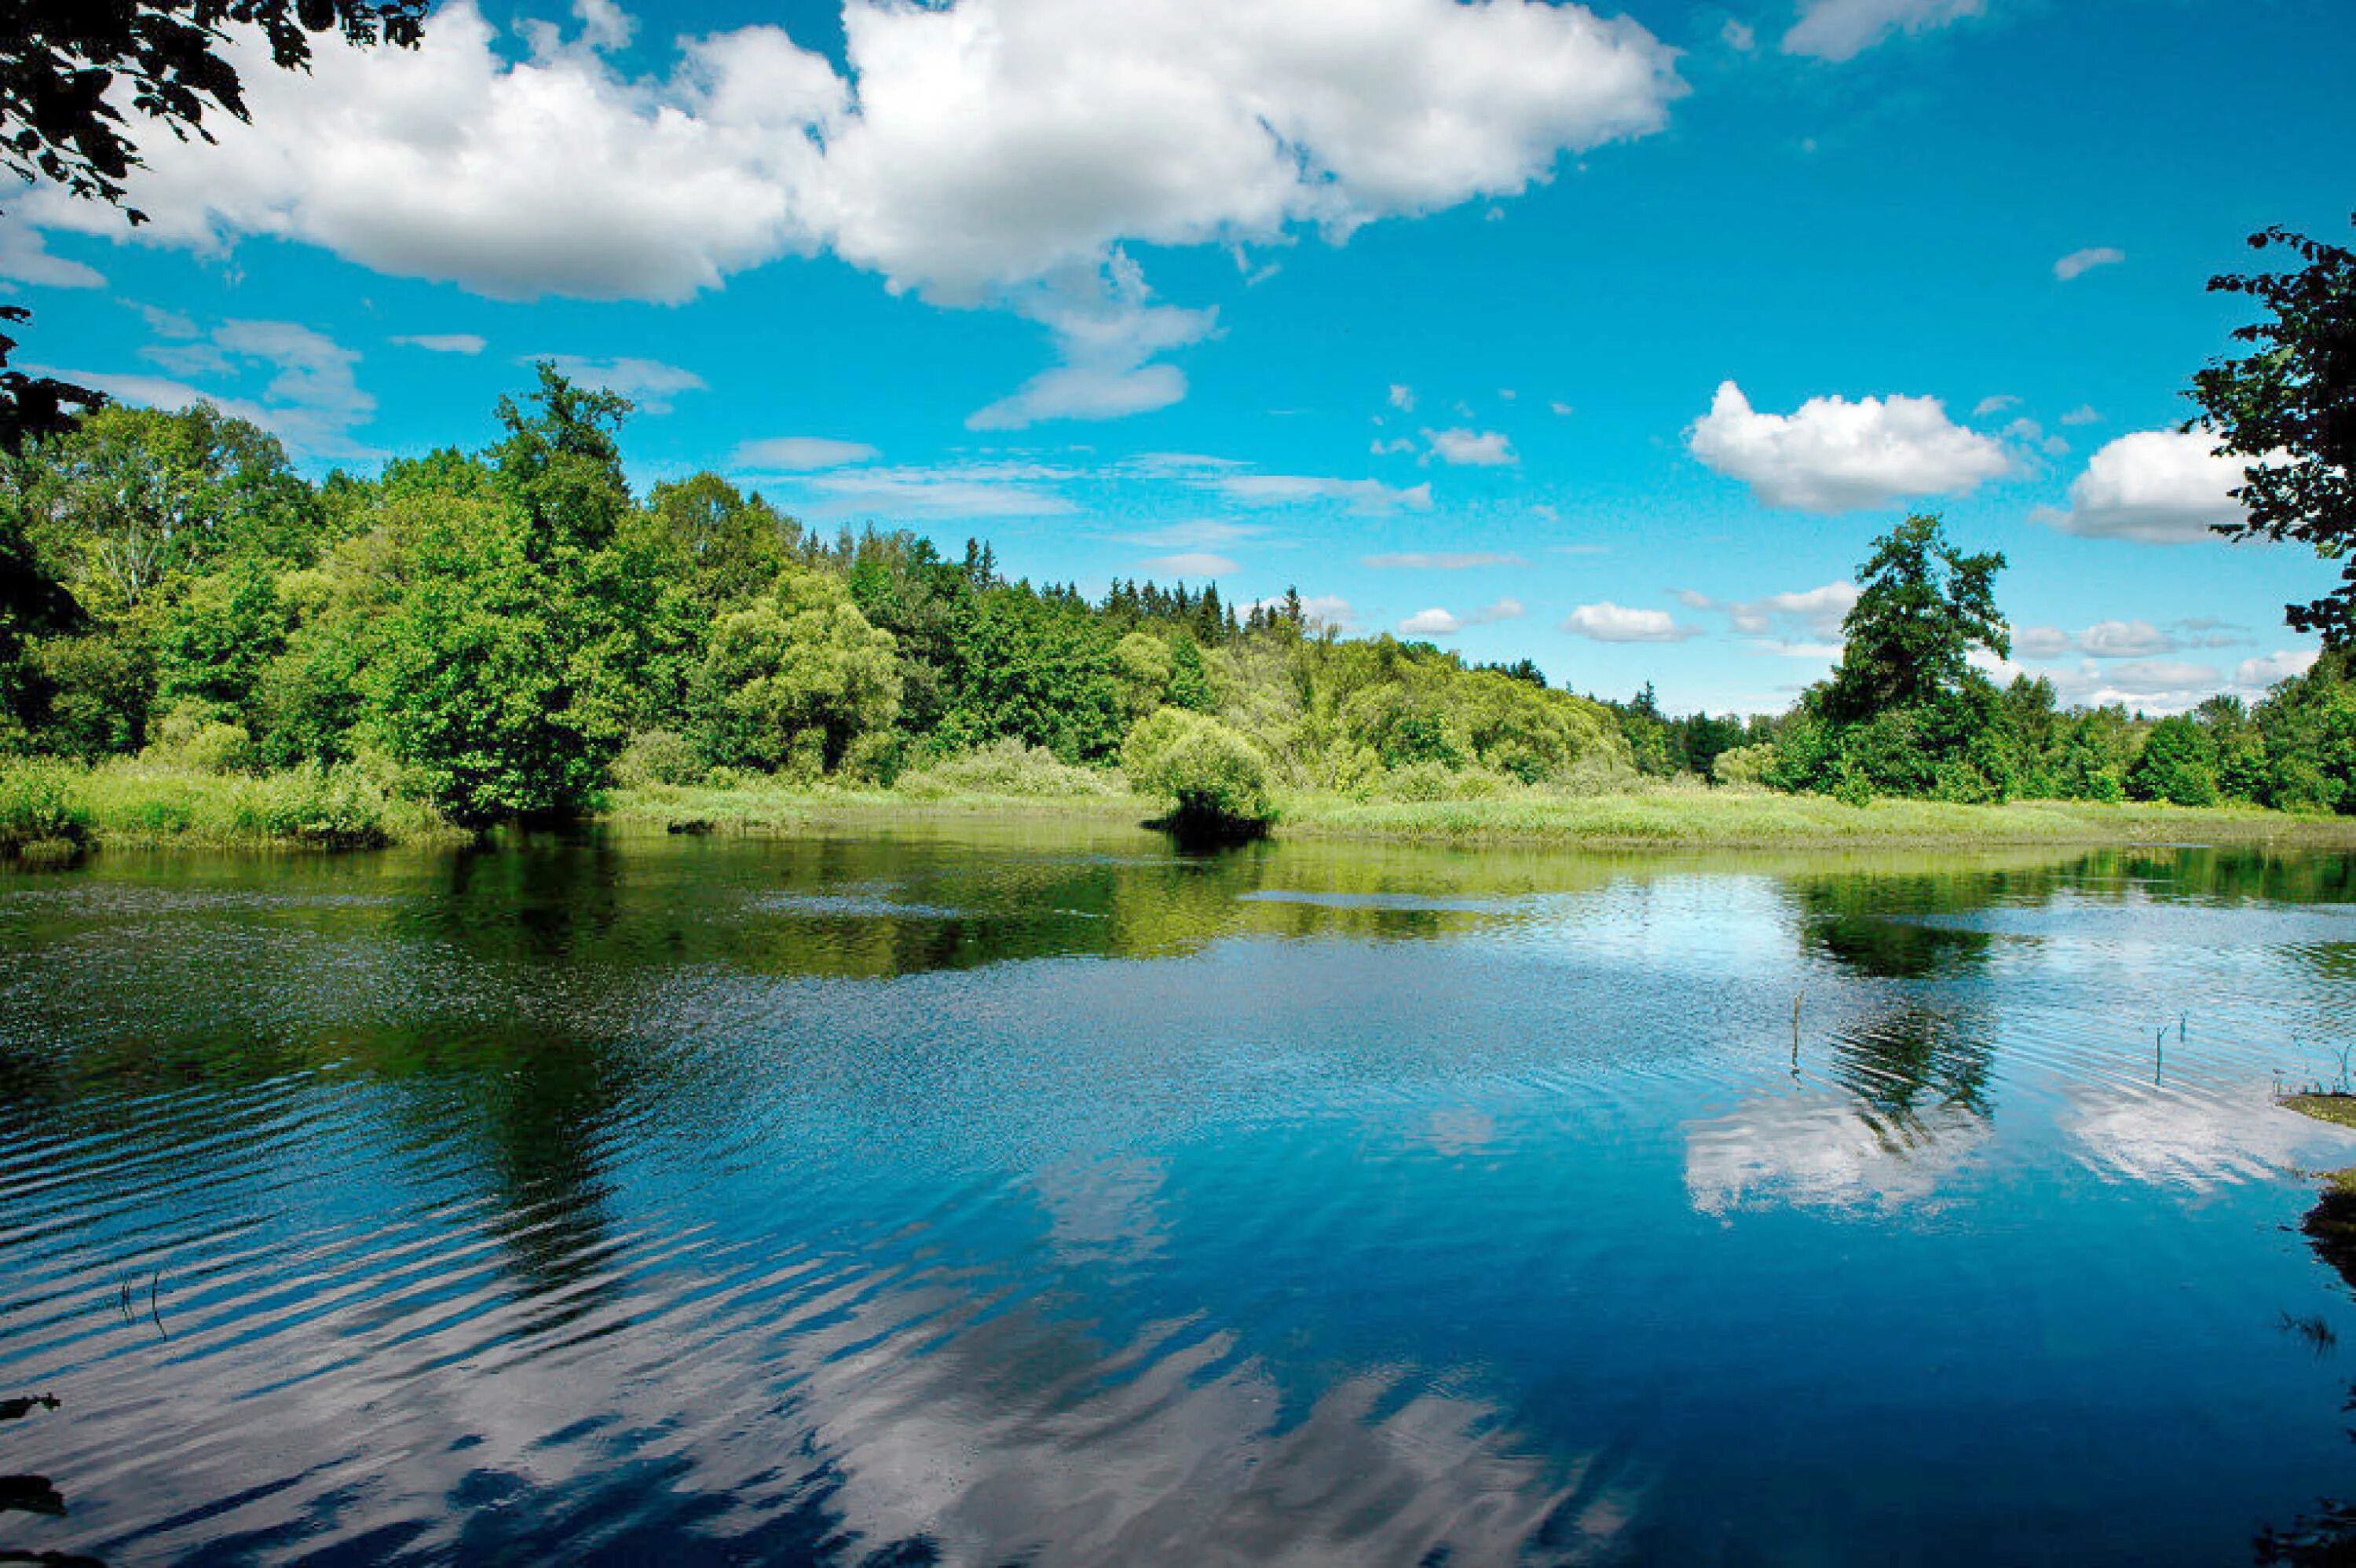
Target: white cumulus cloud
(962, 151)
(1609, 623)
(2155, 486)
(2126, 640)
(2256, 675)
(1438, 623)
(1471, 448)
(1835, 455)
(2042, 642)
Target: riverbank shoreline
(1663, 819)
(49, 811)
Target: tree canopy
(2289, 408)
(508, 633)
(1922, 607)
(70, 70)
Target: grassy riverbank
(53, 810)
(1664, 818)
(49, 809)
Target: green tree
(1039, 671)
(725, 547)
(216, 641)
(473, 685)
(1190, 683)
(2241, 749)
(1923, 605)
(797, 676)
(2308, 726)
(137, 497)
(2288, 407)
(2178, 764)
(33, 604)
(1142, 662)
(506, 670)
(2091, 751)
(562, 465)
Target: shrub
(338, 807)
(38, 806)
(1743, 767)
(1598, 772)
(658, 757)
(1006, 767)
(1215, 780)
(195, 736)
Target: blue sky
(1609, 337)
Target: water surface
(992, 1196)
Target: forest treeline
(506, 634)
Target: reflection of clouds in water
(2143, 1133)
(1821, 1151)
(1460, 1132)
(1105, 1211)
(737, 1385)
(1192, 1459)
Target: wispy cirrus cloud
(1439, 560)
(648, 383)
(1839, 30)
(466, 342)
(309, 396)
(799, 454)
(974, 490)
(1190, 563)
(2078, 263)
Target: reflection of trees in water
(1885, 927)
(2242, 874)
(1906, 926)
(36, 1495)
(544, 1085)
(2324, 1537)
(1909, 1060)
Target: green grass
(766, 808)
(2337, 1109)
(133, 805)
(1665, 817)
(1674, 817)
(51, 808)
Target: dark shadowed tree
(2289, 408)
(74, 72)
